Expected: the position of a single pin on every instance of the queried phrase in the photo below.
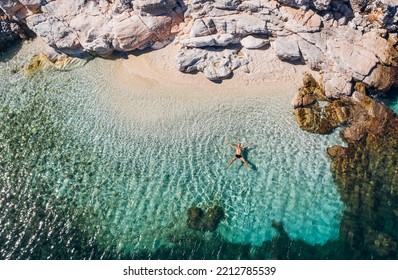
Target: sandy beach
(265, 74)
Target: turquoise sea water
(83, 176)
(391, 100)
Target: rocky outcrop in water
(366, 173)
(199, 220)
(365, 170)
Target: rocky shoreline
(365, 171)
(346, 41)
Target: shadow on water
(245, 154)
(210, 246)
(10, 51)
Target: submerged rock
(199, 220)
(42, 61)
(367, 177)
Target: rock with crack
(311, 115)
(218, 40)
(10, 31)
(298, 20)
(215, 64)
(312, 55)
(287, 48)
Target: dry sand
(264, 74)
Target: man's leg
(229, 164)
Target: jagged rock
(287, 48)
(360, 87)
(338, 112)
(337, 152)
(312, 55)
(318, 4)
(306, 30)
(337, 85)
(298, 20)
(203, 27)
(199, 220)
(155, 7)
(310, 92)
(309, 119)
(358, 5)
(251, 42)
(382, 48)
(227, 4)
(215, 64)
(33, 5)
(10, 31)
(310, 115)
(365, 170)
(382, 78)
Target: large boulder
(287, 48)
(215, 64)
(10, 31)
(251, 42)
(313, 117)
(298, 20)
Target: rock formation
(366, 173)
(10, 30)
(97, 27)
(348, 41)
(199, 220)
(328, 36)
(366, 170)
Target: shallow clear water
(89, 169)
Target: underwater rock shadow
(10, 51)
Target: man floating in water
(238, 155)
